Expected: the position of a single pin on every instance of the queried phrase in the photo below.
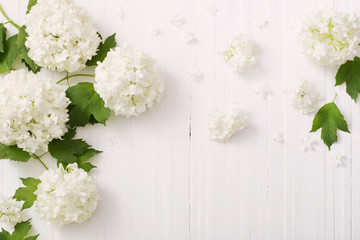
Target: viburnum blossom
(33, 111)
(239, 52)
(263, 90)
(223, 123)
(337, 158)
(10, 213)
(61, 35)
(129, 81)
(303, 96)
(307, 142)
(66, 195)
(330, 37)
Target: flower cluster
(330, 37)
(303, 96)
(223, 123)
(33, 111)
(129, 81)
(60, 35)
(66, 195)
(10, 213)
(239, 52)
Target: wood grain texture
(163, 179)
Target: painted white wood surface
(164, 180)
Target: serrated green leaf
(27, 193)
(10, 53)
(30, 5)
(23, 51)
(2, 38)
(349, 73)
(85, 102)
(103, 50)
(20, 231)
(13, 153)
(68, 150)
(330, 119)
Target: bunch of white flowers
(129, 81)
(303, 96)
(239, 52)
(223, 123)
(33, 111)
(61, 35)
(330, 37)
(66, 195)
(10, 213)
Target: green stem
(39, 159)
(335, 97)
(9, 20)
(75, 75)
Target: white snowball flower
(121, 12)
(154, 32)
(279, 136)
(223, 123)
(61, 35)
(10, 213)
(330, 37)
(195, 75)
(239, 52)
(33, 111)
(263, 90)
(337, 158)
(129, 81)
(303, 96)
(262, 23)
(66, 195)
(307, 142)
(177, 21)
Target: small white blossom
(223, 123)
(262, 23)
(61, 36)
(330, 37)
(129, 81)
(66, 195)
(303, 96)
(278, 136)
(154, 32)
(239, 52)
(263, 90)
(177, 21)
(112, 141)
(210, 9)
(121, 12)
(195, 76)
(10, 213)
(33, 111)
(337, 158)
(307, 142)
(187, 37)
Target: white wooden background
(164, 180)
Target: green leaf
(27, 193)
(30, 5)
(68, 150)
(20, 232)
(13, 153)
(10, 53)
(23, 51)
(2, 38)
(86, 103)
(349, 73)
(330, 119)
(103, 50)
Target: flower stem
(9, 20)
(39, 159)
(75, 75)
(335, 97)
